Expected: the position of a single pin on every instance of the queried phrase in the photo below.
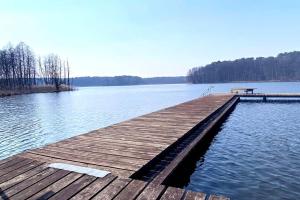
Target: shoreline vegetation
(125, 80)
(35, 89)
(283, 67)
(22, 72)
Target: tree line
(283, 67)
(21, 69)
(125, 80)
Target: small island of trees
(21, 71)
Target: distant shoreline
(124, 80)
(35, 89)
(52, 89)
(266, 81)
(127, 80)
(270, 81)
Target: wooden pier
(140, 153)
(274, 96)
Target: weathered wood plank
(99, 155)
(51, 190)
(33, 189)
(116, 148)
(218, 197)
(11, 162)
(28, 182)
(190, 195)
(15, 166)
(100, 142)
(7, 159)
(94, 188)
(117, 172)
(131, 190)
(127, 134)
(7, 184)
(172, 194)
(117, 141)
(91, 160)
(73, 188)
(17, 172)
(87, 148)
(151, 192)
(112, 190)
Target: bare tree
(21, 70)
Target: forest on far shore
(283, 67)
(125, 80)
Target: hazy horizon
(150, 39)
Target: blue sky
(150, 38)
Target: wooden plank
(90, 160)
(190, 195)
(135, 153)
(7, 159)
(7, 184)
(30, 181)
(33, 189)
(172, 194)
(16, 166)
(112, 190)
(218, 197)
(74, 188)
(94, 188)
(99, 155)
(115, 144)
(118, 172)
(127, 134)
(51, 190)
(108, 146)
(151, 192)
(11, 162)
(131, 191)
(17, 172)
(116, 141)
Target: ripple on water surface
(255, 155)
(30, 121)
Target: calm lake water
(29, 121)
(255, 155)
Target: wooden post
(264, 98)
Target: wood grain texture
(217, 197)
(190, 195)
(172, 194)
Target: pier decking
(140, 154)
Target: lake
(255, 155)
(30, 121)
